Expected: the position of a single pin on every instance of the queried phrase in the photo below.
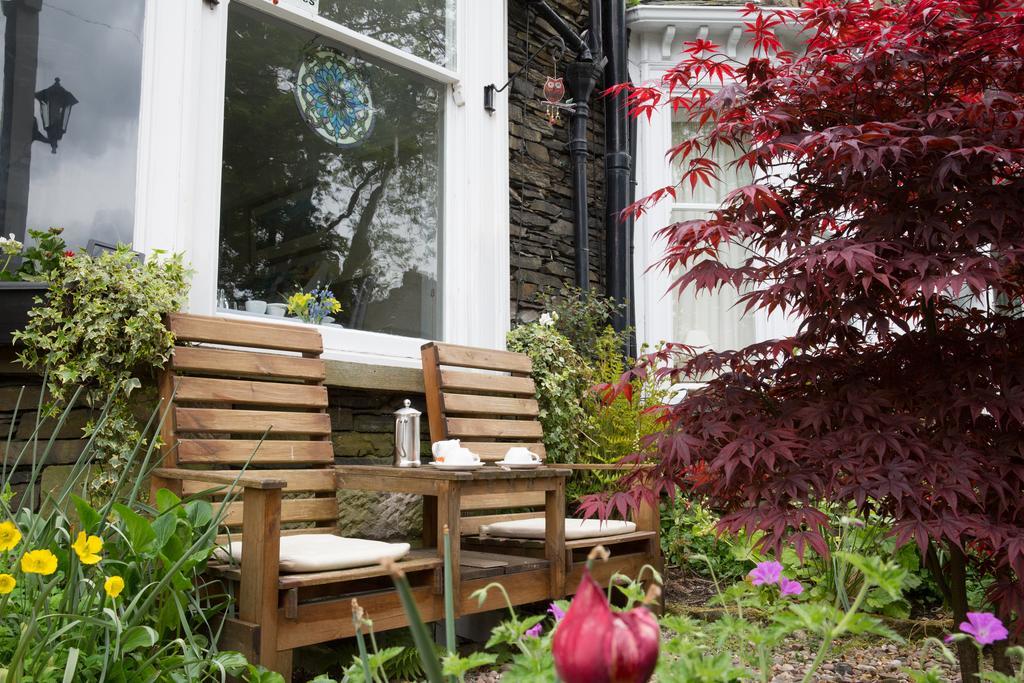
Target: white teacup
(462, 456)
(442, 450)
(518, 455)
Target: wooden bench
(487, 399)
(228, 384)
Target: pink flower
(765, 573)
(557, 612)
(534, 631)
(594, 645)
(984, 627)
(790, 586)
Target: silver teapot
(407, 436)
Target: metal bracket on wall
(490, 90)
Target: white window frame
(657, 36)
(180, 155)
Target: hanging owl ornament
(554, 91)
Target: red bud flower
(592, 644)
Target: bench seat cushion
(574, 528)
(323, 552)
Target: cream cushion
(324, 552)
(574, 528)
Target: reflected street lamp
(55, 105)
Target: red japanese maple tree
(886, 215)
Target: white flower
(548, 319)
(10, 246)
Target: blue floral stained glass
(333, 98)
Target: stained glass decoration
(333, 98)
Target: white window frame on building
(178, 184)
(656, 43)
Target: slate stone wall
(540, 174)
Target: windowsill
(352, 346)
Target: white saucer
(457, 466)
(519, 465)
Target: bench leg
(258, 592)
(554, 538)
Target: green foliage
(124, 599)
(562, 377)
(689, 538)
(573, 348)
(39, 260)
(99, 327)
(581, 317)
(621, 427)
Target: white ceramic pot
(256, 306)
(277, 310)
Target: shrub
(109, 593)
(97, 329)
(887, 215)
(562, 378)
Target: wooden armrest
(603, 467)
(245, 481)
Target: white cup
(519, 455)
(462, 456)
(256, 306)
(443, 449)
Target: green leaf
(164, 527)
(137, 637)
(87, 516)
(454, 665)
(165, 500)
(137, 528)
(199, 513)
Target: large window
(333, 167)
(70, 116)
(421, 27)
(713, 319)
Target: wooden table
(442, 492)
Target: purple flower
(556, 611)
(534, 631)
(765, 573)
(984, 627)
(789, 586)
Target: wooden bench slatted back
(228, 382)
(483, 397)
(490, 412)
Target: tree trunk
(957, 581)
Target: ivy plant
(562, 377)
(96, 332)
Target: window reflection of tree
(417, 26)
(297, 211)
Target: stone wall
(363, 427)
(540, 175)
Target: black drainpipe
(580, 77)
(617, 160)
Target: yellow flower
(9, 536)
(39, 562)
(113, 585)
(87, 548)
(7, 584)
(335, 305)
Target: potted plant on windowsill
(23, 276)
